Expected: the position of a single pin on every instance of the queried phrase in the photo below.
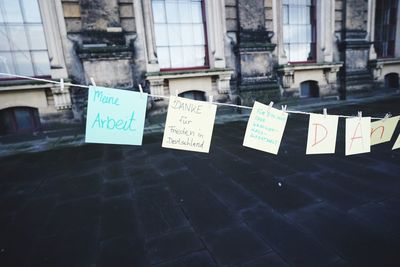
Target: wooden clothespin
(325, 112)
(92, 81)
(62, 85)
(140, 89)
(360, 115)
(387, 116)
(210, 98)
(284, 108)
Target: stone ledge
(187, 74)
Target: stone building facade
(237, 51)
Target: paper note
(115, 116)
(358, 138)
(322, 134)
(189, 124)
(265, 128)
(382, 130)
(397, 144)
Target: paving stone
(73, 215)
(204, 211)
(196, 259)
(71, 187)
(225, 189)
(378, 218)
(280, 196)
(76, 248)
(122, 252)
(117, 218)
(324, 191)
(173, 245)
(159, 212)
(293, 245)
(271, 259)
(235, 245)
(357, 244)
(116, 188)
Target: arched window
(195, 95)
(17, 120)
(309, 89)
(392, 81)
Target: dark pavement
(110, 205)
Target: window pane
(197, 16)
(23, 63)
(187, 34)
(185, 12)
(172, 11)
(198, 32)
(23, 119)
(176, 57)
(159, 12)
(17, 38)
(4, 44)
(31, 11)
(6, 63)
(36, 37)
(41, 62)
(174, 34)
(12, 11)
(161, 33)
(163, 57)
(189, 54)
(200, 58)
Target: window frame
(383, 26)
(11, 52)
(33, 119)
(206, 46)
(314, 35)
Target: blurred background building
(237, 51)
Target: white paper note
(265, 128)
(189, 124)
(358, 137)
(322, 132)
(383, 130)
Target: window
(19, 120)
(299, 31)
(385, 27)
(23, 47)
(180, 33)
(309, 89)
(392, 81)
(195, 95)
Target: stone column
(255, 54)
(354, 48)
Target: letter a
(356, 140)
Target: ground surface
(107, 205)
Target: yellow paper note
(265, 128)
(322, 134)
(397, 144)
(382, 130)
(189, 124)
(358, 138)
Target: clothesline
(61, 82)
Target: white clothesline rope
(62, 83)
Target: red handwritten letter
(355, 133)
(316, 133)
(380, 127)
